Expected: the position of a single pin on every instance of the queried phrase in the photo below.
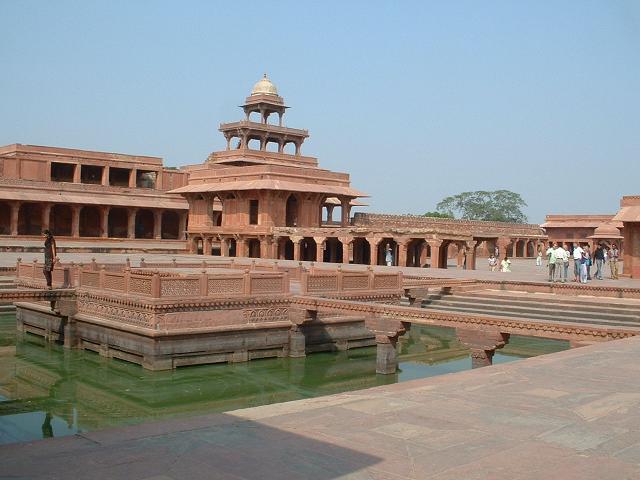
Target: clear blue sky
(416, 100)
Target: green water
(48, 391)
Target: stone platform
(569, 415)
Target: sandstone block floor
(569, 415)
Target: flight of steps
(600, 311)
(7, 283)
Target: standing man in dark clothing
(50, 254)
(598, 256)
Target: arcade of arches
(405, 251)
(72, 220)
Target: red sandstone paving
(574, 414)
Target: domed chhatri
(264, 87)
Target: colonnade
(97, 221)
(404, 251)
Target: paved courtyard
(569, 415)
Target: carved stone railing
(339, 281)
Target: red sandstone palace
(260, 197)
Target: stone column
(471, 254)
(131, 225)
(402, 253)
(423, 254)
(105, 221)
(297, 342)
(157, 224)
(206, 246)
(435, 253)
(345, 205)
(296, 249)
(482, 343)
(386, 355)
(76, 174)
(346, 241)
(132, 178)
(373, 250)
(503, 245)
(182, 224)
(15, 213)
(105, 175)
(265, 248)
(46, 214)
(75, 221)
(330, 213)
(320, 246)
(224, 247)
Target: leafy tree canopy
(498, 206)
(437, 215)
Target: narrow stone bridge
(482, 333)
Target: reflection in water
(47, 391)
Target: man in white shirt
(577, 260)
(560, 253)
(551, 260)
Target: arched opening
(273, 118)
(90, 222)
(292, 211)
(448, 249)
(253, 144)
(232, 247)
(520, 248)
(255, 117)
(417, 253)
(531, 249)
(387, 245)
(118, 223)
(308, 249)
(60, 220)
(273, 147)
(5, 218)
(289, 148)
(30, 219)
(253, 248)
(197, 245)
(170, 225)
(144, 224)
(361, 251)
(332, 250)
(285, 249)
(336, 216)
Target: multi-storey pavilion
(259, 199)
(89, 195)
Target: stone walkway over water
(569, 415)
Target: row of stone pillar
(45, 219)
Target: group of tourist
(505, 263)
(559, 259)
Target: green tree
(437, 215)
(498, 206)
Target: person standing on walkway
(539, 258)
(493, 262)
(614, 253)
(388, 256)
(559, 253)
(505, 264)
(587, 251)
(583, 268)
(551, 260)
(577, 261)
(565, 261)
(598, 256)
(50, 254)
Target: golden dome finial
(264, 87)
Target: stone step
(551, 299)
(538, 316)
(521, 305)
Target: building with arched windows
(262, 197)
(89, 196)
